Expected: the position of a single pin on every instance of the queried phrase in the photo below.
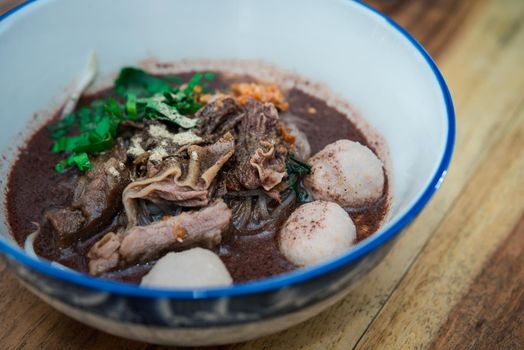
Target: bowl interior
(340, 43)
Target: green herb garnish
(295, 170)
(98, 139)
(136, 81)
(184, 101)
(209, 75)
(62, 127)
(95, 127)
(131, 107)
(158, 105)
(295, 166)
(80, 160)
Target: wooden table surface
(455, 278)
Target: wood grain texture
(6, 5)
(454, 278)
(456, 252)
(491, 314)
(28, 323)
(432, 22)
(488, 167)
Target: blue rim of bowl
(285, 280)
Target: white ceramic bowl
(361, 55)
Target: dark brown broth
(35, 187)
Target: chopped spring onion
(80, 160)
(131, 108)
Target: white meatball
(193, 268)
(347, 173)
(316, 232)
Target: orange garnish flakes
(286, 134)
(208, 98)
(260, 92)
(205, 98)
(179, 232)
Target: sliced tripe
(181, 184)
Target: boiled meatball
(316, 232)
(347, 173)
(193, 268)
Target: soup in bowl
(184, 192)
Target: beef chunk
(203, 227)
(219, 116)
(96, 200)
(144, 243)
(99, 191)
(65, 222)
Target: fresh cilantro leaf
(209, 75)
(194, 81)
(163, 111)
(136, 81)
(295, 166)
(59, 133)
(174, 79)
(112, 107)
(86, 119)
(68, 144)
(146, 96)
(295, 170)
(184, 103)
(62, 127)
(99, 139)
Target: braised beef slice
(96, 200)
(203, 228)
(258, 129)
(144, 243)
(219, 116)
(65, 221)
